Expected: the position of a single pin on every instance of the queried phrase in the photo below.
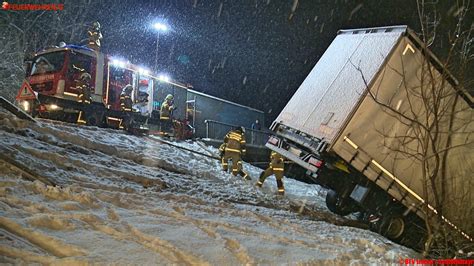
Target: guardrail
(218, 130)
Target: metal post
(156, 55)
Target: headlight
(25, 105)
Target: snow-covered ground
(103, 196)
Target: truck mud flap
(15, 110)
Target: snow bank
(109, 197)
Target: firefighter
(166, 114)
(126, 99)
(234, 147)
(94, 36)
(276, 167)
(84, 88)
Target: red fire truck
(50, 89)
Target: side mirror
(27, 67)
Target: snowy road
(122, 199)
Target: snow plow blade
(14, 109)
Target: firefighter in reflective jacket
(94, 36)
(126, 98)
(276, 167)
(234, 147)
(166, 112)
(84, 88)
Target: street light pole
(160, 27)
(156, 56)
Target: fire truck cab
(54, 75)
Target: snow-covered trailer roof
(333, 88)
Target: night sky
(253, 52)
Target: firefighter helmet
(169, 97)
(127, 89)
(240, 129)
(85, 76)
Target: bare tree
(26, 32)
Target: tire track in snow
(31, 257)
(232, 245)
(123, 231)
(78, 165)
(48, 243)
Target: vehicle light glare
(143, 71)
(118, 63)
(26, 105)
(164, 78)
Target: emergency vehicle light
(143, 71)
(164, 78)
(118, 63)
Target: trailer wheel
(338, 205)
(392, 226)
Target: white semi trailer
(356, 125)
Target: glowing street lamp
(159, 27)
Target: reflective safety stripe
(79, 118)
(234, 150)
(70, 94)
(278, 169)
(225, 164)
(164, 117)
(260, 183)
(115, 119)
(281, 190)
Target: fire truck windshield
(47, 63)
